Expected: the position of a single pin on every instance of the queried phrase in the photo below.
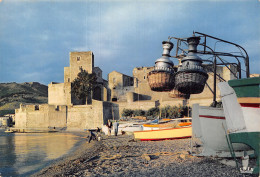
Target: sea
(23, 154)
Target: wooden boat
(164, 134)
(241, 103)
(236, 127)
(168, 123)
(213, 138)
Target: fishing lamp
(191, 76)
(162, 77)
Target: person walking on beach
(115, 125)
(109, 126)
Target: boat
(236, 130)
(164, 134)
(167, 123)
(209, 126)
(9, 131)
(127, 128)
(241, 103)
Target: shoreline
(64, 165)
(121, 156)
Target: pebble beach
(122, 156)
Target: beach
(122, 156)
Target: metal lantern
(162, 77)
(191, 77)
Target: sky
(36, 36)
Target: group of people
(92, 136)
(114, 125)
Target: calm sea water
(22, 154)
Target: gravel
(121, 156)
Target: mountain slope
(13, 94)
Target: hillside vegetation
(13, 94)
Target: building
(120, 84)
(63, 109)
(140, 96)
(108, 98)
(60, 93)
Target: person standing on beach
(115, 125)
(109, 126)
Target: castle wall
(86, 116)
(67, 75)
(121, 94)
(77, 116)
(20, 116)
(120, 106)
(105, 94)
(59, 93)
(120, 84)
(40, 116)
(57, 116)
(115, 80)
(56, 95)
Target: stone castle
(107, 100)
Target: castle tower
(84, 60)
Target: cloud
(114, 25)
(122, 34)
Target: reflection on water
(21, 154)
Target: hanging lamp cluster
(190, 77)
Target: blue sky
(36, 36)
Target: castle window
(68, 79)
(57, 108)
(78, 58)
(36, 107)
(144, 77)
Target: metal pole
(215, 82)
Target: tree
(82, 86)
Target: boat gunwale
(163, 129)
(160, 139)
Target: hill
(13, 94)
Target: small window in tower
(57, 108)
(78, 58)
(36, 108)
(144, 77)
(68, 79)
